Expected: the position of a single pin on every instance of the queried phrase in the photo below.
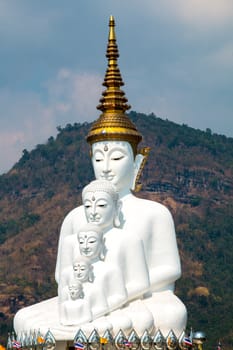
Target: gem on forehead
(93, 198)
(105, 148)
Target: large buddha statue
(143, 245)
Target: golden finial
(113, 123)
(111, 35)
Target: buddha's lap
(164, 310)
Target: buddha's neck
(124, 193)
(108, 228)
(95, 259)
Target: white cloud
(223, 56)
(74, 95)
(25, 121)
(200, 14)
(204, 12)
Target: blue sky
(176, 59)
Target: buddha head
(113, 137)
(75, 289)
(101, 204)
(116, 162)
(91, 242)
(83, 270)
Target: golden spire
(113, 99)
(113, 123)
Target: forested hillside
(188, 170)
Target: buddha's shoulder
(150, 207)
(75, 213)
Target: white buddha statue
(151, 223)
(115, 157)
(74, 304)
(98, 198)
(146, 235)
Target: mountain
(188, 170)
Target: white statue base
(137, 315)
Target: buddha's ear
(116, 220)
(103, 250)
(90, 274)
(139, 163)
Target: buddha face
(90, 243)
(75, 290)
(100, 208)
(81, 270)
(114, 161)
